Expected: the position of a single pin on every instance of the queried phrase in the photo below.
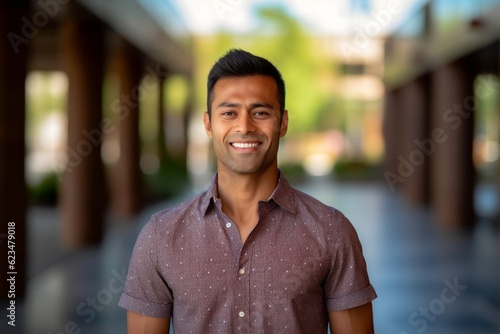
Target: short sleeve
(347, 284)
(145, 291)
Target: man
(251, 254)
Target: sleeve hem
(352, 300)
(145, 308)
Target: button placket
(242, 293)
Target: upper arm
(143, 324)
(357, 320)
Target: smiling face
(245, 124)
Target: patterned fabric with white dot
(302, 260)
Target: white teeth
(245, 145)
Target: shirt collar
(209, 197)
(282, 195)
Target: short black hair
(240, 63)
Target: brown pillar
(161, 141)
(83, 186)
(188, 110)
(13, 64)
(416, 147)
(392, 142)
(452, 130)
(127, 183)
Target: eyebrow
(252, 106)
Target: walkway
(427, 281)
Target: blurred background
(394, 119)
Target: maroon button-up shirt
(302, 260)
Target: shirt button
(241, 314)
(241, 271)
(228, 225)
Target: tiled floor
(427, 281)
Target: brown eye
(261, 113)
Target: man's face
(246, 124)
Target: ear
(284, 123)
(208, 126)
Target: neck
(241, 193)
(244, 189)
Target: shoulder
(178, 217)
(326, 221)
(308, 205)
(303, 205)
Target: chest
(212, 266)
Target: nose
(245, 123)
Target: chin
(245, 171)
(248, 170)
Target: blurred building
(142, 44)
(356, 85)
(360, 80)
(442, 120)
